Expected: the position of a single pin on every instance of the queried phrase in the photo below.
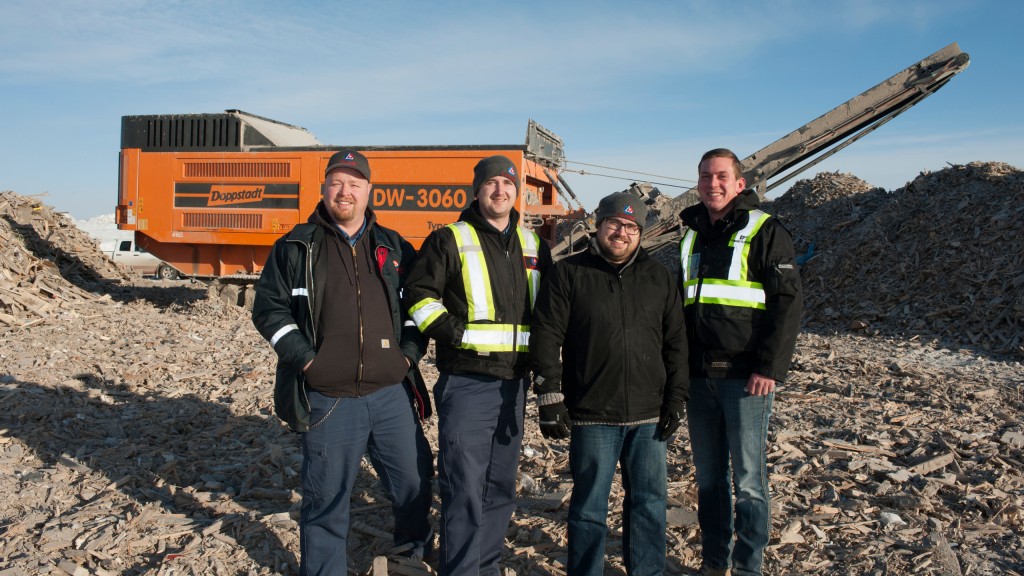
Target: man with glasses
(608, 347)
(741, 287)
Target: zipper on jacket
(622, 315)
(702, 270)
(515, 322)
(512, 282)
(359, 312)
(310, 288)
(309, 304)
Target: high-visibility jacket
(472, 289)
(741, 292)
(734, 289)
(481, 333)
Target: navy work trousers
(384, 426)
(480, 433)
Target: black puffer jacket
(287, 305)
(730, 341)
(620, 334)
(437, 274)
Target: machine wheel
(166, 272)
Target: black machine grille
(179, 132)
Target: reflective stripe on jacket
(480, 297)
(741, 286)
(437, 294)
(734, 289)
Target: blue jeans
(479, 436)
(384, 426)
(593, 452)
(728, 425)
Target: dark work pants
(384, 426)
(480, 433)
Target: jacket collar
(317, 221)
(697, 217)
(322, 218)
(595, 250)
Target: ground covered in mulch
(138, 435)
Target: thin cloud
(647, 85)
(133, 42)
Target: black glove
(554, 420)
(670, 421)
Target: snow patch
(103, 229)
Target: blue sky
(643, 86)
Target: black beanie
(625, 205)
(491, 167)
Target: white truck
(126, 252)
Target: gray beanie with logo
(494, 166)
(624, 205)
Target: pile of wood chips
(138, 435)
(942, 257)
(48, 264)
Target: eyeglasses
(629, 229)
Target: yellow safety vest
(735, 289)
(480, 296)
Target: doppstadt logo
(223, 195)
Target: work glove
(554, 420)
(670, 421)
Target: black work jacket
(437, 274)
(733, 341)
(620, 335)
(287, 304)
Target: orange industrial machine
(210, 193)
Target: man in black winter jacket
(614, 316)
(472, 290)
(742, 299)
(347, 376)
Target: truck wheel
(166, 272)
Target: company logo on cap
(350, 157)
(512, 171)
(628, 209)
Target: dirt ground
(137, 435)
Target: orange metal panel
(218, 213)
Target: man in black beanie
(472, 290)
(608, 348)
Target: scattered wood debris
(138, 435)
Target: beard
(342, 213)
